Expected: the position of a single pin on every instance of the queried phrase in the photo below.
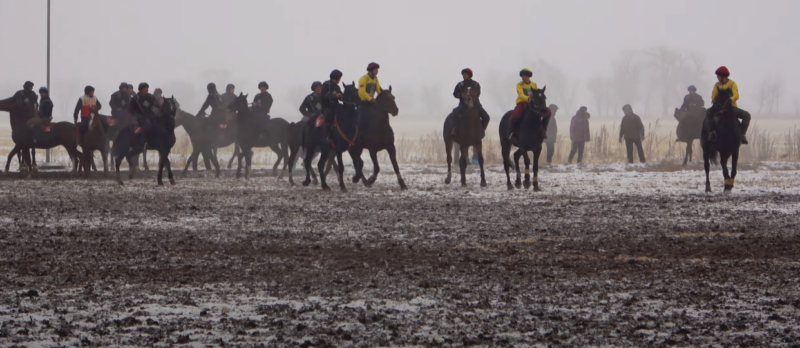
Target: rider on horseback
(141, 105)
(692, 99)
(229, 96)
(214, 100)
(87, 106)
(27, 93)
(45, 113)
(524, 89)
(331, 95)
(312, 103)
(474, 89)
(726, 86)
(369, 85)
(262, 102)
(119, 100)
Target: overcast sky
(180, 45)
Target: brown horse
(470, 133)
(256, 132)
(377, 134)
(95, 139)
(690, 125)
(205, 138)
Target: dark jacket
(214, 100)
(28, 97)
(329, 91)
(227, 99)
(552, 127)
(119, 101)
(311, 106)
(690, 100)
(579, 127)
(262, 102)
(45, 108)
(142, 105)
(631, 127)
(462, 87)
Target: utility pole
(47, 153)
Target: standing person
(87, 107)
(312, 103)
(579, 133)
(552, 133)
(632, 129)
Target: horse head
(350, 94)
(469, 96)
(170, 107)
(386, 101)
(239, 104)
(723, 101)
(538, 100)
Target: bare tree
(770, 93)
(599, 88)
(796, 104)
(777, 94)
(626, 79)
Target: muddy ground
(604, 256)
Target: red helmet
(723, 71)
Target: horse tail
(713, 156)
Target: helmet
(315, 85)
(264, 84)
(130, 86)
(229, 86)
(692, 88)
(553, 107)
(143, 85)
(373, 66)
(526, 72)
(88, 89)
(211, 87)
(27, 85)
(467, 71)
(723, 71)
(336, 74)
(123, 85)
(43, 89)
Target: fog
(582, 50)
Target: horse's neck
(5, 104)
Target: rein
(350, 143)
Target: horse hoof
(316, 182)
(518, 184)
(483, 184)
(510, 187)
(217, 175)
(325, 188)
(536, 188)
(160, 183)
(343, 189)
(355, 179)
(172, 181)
(527, 184)
(371, 180)
(463, 184)
(119, 181)
(708, 190)
(306, 182)
(447, 181)
(403, 186)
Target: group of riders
(321, 104)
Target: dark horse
(376, 134)
(255, 132)
(470, 133)
(690, 125)
(158, 133)
(25, 123)
(727, 143)
(531, 137)
(204, 138)
(94, 139)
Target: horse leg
(734, 164)
(207, 154)
(358, 164)
(340, 170)
(34, 167)
(479, 150)
(376, 168)
(248, 157)
(392, 157)
(207, 161)
(309, 156)
(26, 157)
(536, 154)
(104, 155)
(236, 154)
(507, 166)
(527, 160)
(691, 150)
(161, 163)
(169, 169)
(462, 164)
(724, 162)
(321, 168)
(87, 160)
(144, 159)
(686, 155)
(14, 151)
(192, 161)
(448, 147)
(517, 155)
(117, 162)
(707, 167)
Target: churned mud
(603, 256)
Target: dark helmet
(315, 85)
(27, 85)
(467, 71)
(553, 107)
(692, 88)
(262, 84)
(43, 89)
(123, 85)
(130, 86)
(526, 72)
(88, 89)
(211, 87)
(373, 66)
(336, 74)
(229, 86)
(143, 85)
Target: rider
(692, 99)
(726, 85)
(262, 102)
(27, 93)
(229, 96)
(45, 112)
(524, 88)
(331, 94)
(311, 105)
(119, 101)
(368, 85)
(87, 106)
(475, 88)
(142, 104)
(214, 100)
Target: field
(607, 255)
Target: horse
(727, 142)
(257, 133)
(295, 139)
(157, 134)
(95, 139)
(470, 133)
(19, 114)
(377, 135)
(690, 125)
(204, 138)
(531, 136)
